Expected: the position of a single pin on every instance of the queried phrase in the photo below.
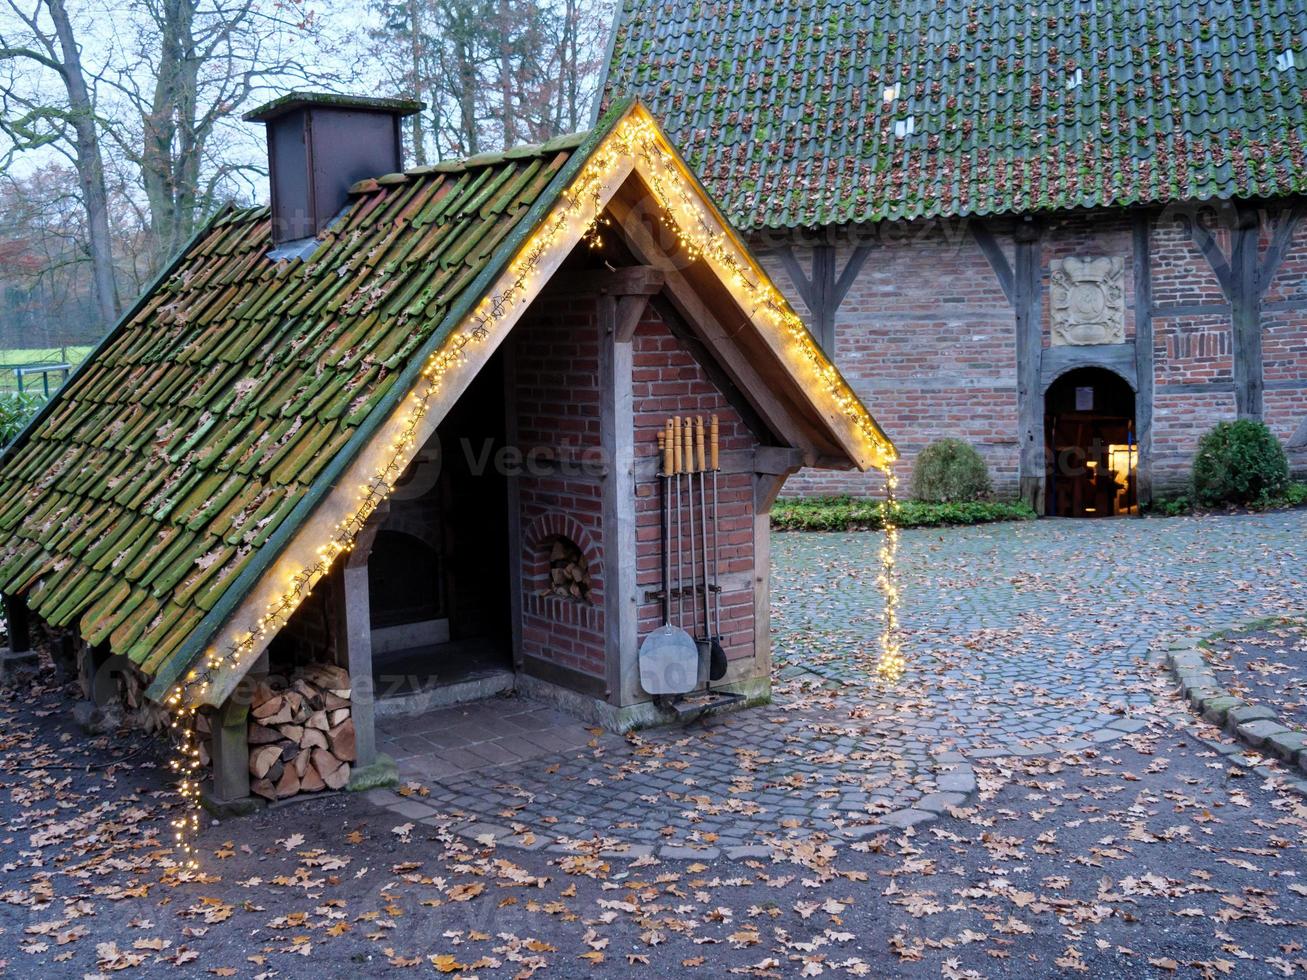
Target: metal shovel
(716, 655)
(669, 657)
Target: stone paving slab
(1021, 639)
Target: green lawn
(11, 357)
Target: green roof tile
(782, 106)
(147, 486)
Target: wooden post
(1027, 299)
(1246, 313)
(354, 621)
(766, 487)
(1022, 284)
(617, 440)
(1142, 256)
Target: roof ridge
(567, 141)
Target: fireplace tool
(712, 625)
(669, 657)
(701, 639)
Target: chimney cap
(327, 100)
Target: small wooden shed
(405, 439)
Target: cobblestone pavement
(1020, 638)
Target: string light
(890, 664)
(635, 138)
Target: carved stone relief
(1088, 300)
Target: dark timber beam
(1141, 232)
(997, 260)
(1244, 277)
(1022, 284)
(1027, 301)
(824, 290)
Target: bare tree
(193, 65)
(69, 125)
(494, 72)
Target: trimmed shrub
(861, 514)
(948, 471)
(1239, 463)
(15, 411)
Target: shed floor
(409, 682)
(483, 734)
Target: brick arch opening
(556, 543)
(1091, 444)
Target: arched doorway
(1092, 448)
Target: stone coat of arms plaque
(1088, 300)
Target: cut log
(283, 716)
(268, 708)
(301, 764)
(341, 739)
(333, 702)
(327, 676)
(262, 759)
(313, 739)
(291, 732)
(274, 774)
(289, 750)
(341, 692)
(289, 784)
(262, 735)
(334, 718)
(311, 781)
(338, 779)
(312, 695)
(325, 762)
(264, 788)
(202, 723)
(318, 720)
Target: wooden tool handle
(712, 440)
(698, 442)
(677, 458)
(664, 451)
(688, 443)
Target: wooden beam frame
(708, 329)
(1244, 277)
(1141, 238)
(824, 290)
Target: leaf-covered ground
(1151, 856)
(1267, 666)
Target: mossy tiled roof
(209, 416)
(828, 111)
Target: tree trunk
(506, 74)
(415, 64)
(89, 165)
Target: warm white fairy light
(634, 138)
(890, 664)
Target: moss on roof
(151, 481)
(830, 111)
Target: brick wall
(556, 395)
(927, 338)
(1193, 352)
(1284, 349)
(668, 382)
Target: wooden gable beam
(824, 290)
(710, 331)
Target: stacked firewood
(567, 572)
(302, 737)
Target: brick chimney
(318, 146)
